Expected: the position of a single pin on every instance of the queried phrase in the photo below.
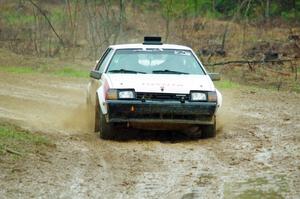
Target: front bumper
(161, 111)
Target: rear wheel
(209, 131)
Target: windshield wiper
(125, 71)
(169, 72)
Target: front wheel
(209, 131)
(97, 116)
(106, 130)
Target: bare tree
(48, 21)
(168, 13)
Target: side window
(104, 60)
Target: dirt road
(256, 153)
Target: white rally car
(152, 83)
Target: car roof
(144, 46)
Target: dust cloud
(81, 118)
(225, 118)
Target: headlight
(198, 96)
(126, 94)
(114, 94)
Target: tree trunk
(168, 18)
(121, 20)
(267, 14)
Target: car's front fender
(101, 97)
(220, 99)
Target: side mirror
(95, 74)
(215, 76)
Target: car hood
(160, 83)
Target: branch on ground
(8, 150)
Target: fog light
(112, 94)
(132, 109)
(212, 96)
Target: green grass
(18, 140)
(18, 70)
(296, 86)
(255, 194)
(272, 187)
(58, 15)
(226, 84)
(17, 18)
(70, 72)
(63, 72)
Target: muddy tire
(97, 117)
(107, 130)
(209, 131)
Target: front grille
(162, 96)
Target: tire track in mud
(136, 171)
(180, 176)
(256, 150)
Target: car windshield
(154, 61)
